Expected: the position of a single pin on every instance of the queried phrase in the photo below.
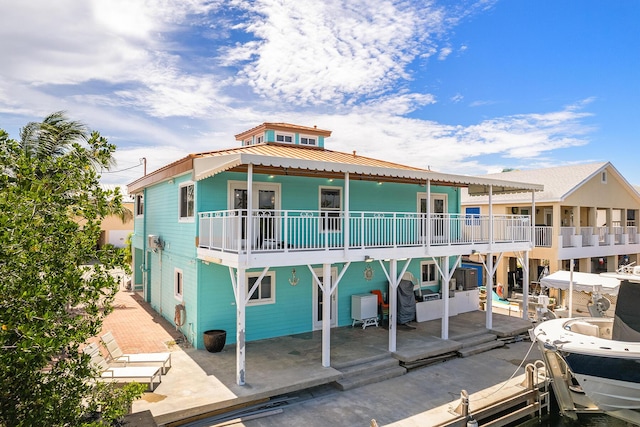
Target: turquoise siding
(161, 211)
(208, 294)
(292, 312)
(301, 193)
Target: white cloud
(444, 53)
(344, 65)
(334, 51)
(457, 98)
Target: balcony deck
(586, 242)
(278, 237)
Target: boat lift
(570, 398)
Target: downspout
(145, 266)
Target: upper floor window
(265, 292)
(603, 177)
(259, 139)
(187, 201)
(330, 207)
(308, 140)
(139, 204)
(284, 137)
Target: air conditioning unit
(154, 242)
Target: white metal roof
(297, 158)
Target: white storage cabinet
(364, 309)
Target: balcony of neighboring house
(584, 242)
(285, 237)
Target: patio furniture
(123, 374)
(149, 359)
(383, 307)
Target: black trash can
(214, 340)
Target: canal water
(595, 420)
(583, 421)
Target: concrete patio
(201, 382)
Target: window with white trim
(265, 293)
(259, 139)
(428, 273)
(178, 283)
(139, 204)
(330, 207)
(187, 202)
(308, 140)
(284, 137)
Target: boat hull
(608, 394)
(608, 371)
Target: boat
(597, 356)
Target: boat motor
(598, 305)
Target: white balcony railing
(587, 236)
(288, 230)
(543, 236)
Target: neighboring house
(274, 238)
(113, 229)
(587, 213)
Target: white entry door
(266, 202)
(439, 221)
(318, 302)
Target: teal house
(276, 236)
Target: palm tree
(56, 135)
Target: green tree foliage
(55, 286)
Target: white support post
(491, 237)
(489, 309)
(393, 303)
(326, 315)
(571, 287)
(249, 224)
(445, 302)
(428, 225)
(347, 214)
(240, 327)
(525, 286)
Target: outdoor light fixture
(473, 252)
(367, 258)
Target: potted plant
(214, 340)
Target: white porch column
(326, 315)
(445, 298)
(489, 308)
(491, 216)
(347, 222)
(240, 325)
(525, 286)
(571, 287)
(533, 219)
(393, 303)
(249, 232)
(428, 225)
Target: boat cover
(406, 302)
(585, 282)
(626, 325)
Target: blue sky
(467, 87)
